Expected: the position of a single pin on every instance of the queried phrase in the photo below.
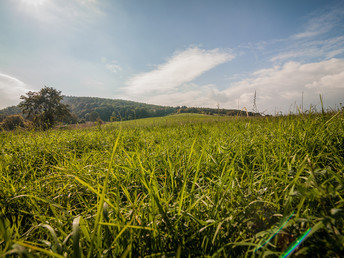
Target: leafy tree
(44, 108)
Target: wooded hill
(92, 109)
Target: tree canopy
(44, 108)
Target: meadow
(181, 185)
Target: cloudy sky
(181, 52)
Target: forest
(93, 109)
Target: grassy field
(182, 185)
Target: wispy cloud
(182, 67)
(10, 90)
(316, 40)
(321, 37)
(325, 48)
(321, 21)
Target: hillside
(113, 109)
(92, 108)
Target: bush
(13, 122)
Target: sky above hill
(181, 52)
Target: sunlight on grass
(184, 184)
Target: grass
(183, 185)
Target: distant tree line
(92, 109)
(214, 111)
(47, 107)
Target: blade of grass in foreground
(181, 198)
(76, 237)
(296, 244)
(102, 198)
(50, 253)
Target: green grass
(180, 185)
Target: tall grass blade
(76, 237)
(102, 198)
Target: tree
(44, 108)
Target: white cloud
(190, 95)
(10, 90)
(282, 86)
(181, 68)
(278, 88)
(332, 81)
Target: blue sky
(193, 53)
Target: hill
(92, 108)
(113, 109)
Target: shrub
(13, 122)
